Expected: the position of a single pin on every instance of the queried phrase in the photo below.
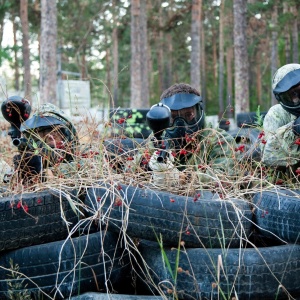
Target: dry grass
(252, 176)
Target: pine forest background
(130, 51)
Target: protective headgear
(49, 117)
(187, 116)
(284, 88)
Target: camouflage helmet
(285, 79)
(47, 116)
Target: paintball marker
(158, 119)
(16, 110)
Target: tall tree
(241, 64)
(295, 33)
(48, 51)
(25, 47)
(115, 51)
(144, 55)
(135, 72)
(274, 45)
(203, 59)
(286, 33)
(195, 39)
(221, 58)
(16, 62)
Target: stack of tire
(207, 247)
(45, 255)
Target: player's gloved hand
(6, 171)
(165, 174)
(296, 126)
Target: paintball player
(48, 143)
(282, 122)
(192, 142)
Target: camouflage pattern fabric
(281, 147)
(214, 155)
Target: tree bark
(203, 61)
(295, 34)
(258, 77)
(274, 46)
(221, 60)
(25, 48)
(48, 51)
(215, 59)
(287, 35)
(115, 42)
(135, 82)
(241, 65)
(144, 56)
(195, 41)
(16, 62)
(229, 54)
(160, 53)
(135, 72)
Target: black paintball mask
(287, 92)
(187, 117)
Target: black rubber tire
(277, 214)
(50, 267)
(42, 223)
(102, 296)
(119, 146)
(251, 272)
(249, 138)
(208, 222)
(247, 119)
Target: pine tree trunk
(295, 34)
(195, 40)
(169, 61)
(221, 60)
(229, 55)
(144, 101)
(215, 59)
(135, 72)
(203, 62)
(241, 65)
(258, 77)
(25, 47)
(48, 51)
(274, 47)
(16, 62)
(287, 35)
(1, 27)
(160, 54)
(115, 42)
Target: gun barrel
(161, 157)
(21, 143)
(16, 142)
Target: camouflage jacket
(281, 147)
(213, 153)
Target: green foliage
(258, 117)
(5, 54)
(16, 288)
(85, 37)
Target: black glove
(296, 126)
(28, 164)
